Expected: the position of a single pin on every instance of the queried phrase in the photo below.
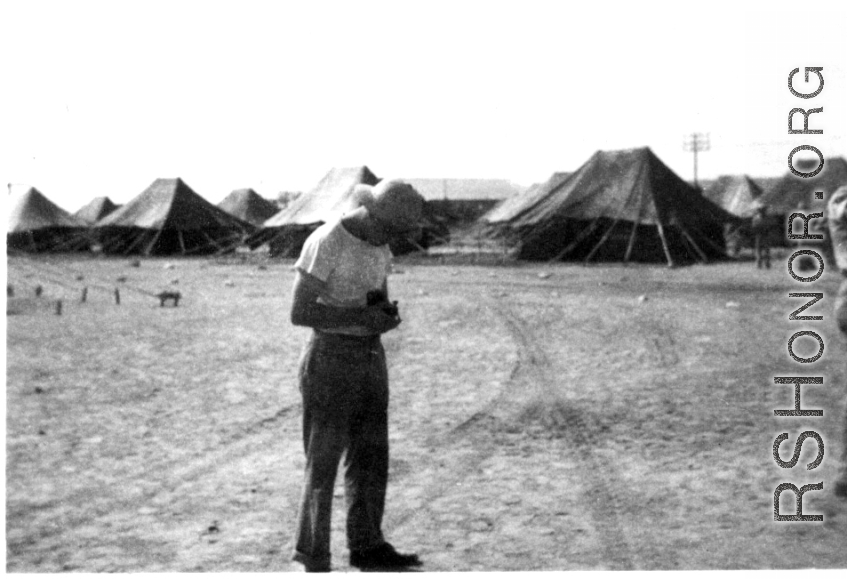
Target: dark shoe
(383, 557)
(310, 566)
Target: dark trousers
(344, 383)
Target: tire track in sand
(474, 440)
(604, 499)
(469, 447)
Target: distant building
(458, 201)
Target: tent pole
(718, 249)
(212, 241)
(149, 247)
(664, 242)
(694, 245)
(601, 242)
(70, 242)
(236, 241)
(223, 248)
(606, 234)
(631, 243)
(641, 201)
(181, 240)
(579, 238)
(137, 241)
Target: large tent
(37, 224)
(169, 218)
(95, 210)
(333, 196)
(249, 206)
(619, 206)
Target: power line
(694, 143)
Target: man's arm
(307, 311)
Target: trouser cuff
(312, 563)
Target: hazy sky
(101, 98)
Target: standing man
(759, 224)
(341, 292)
(837, 220)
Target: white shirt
(350, 267)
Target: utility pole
(696, 142)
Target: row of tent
(622, 205)
(170, 218)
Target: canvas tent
(169, 218)
(619, 206)
(249, 206)
(95, 210)
(333, 196)
(36, 224)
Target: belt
(348, 338)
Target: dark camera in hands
(377, 298)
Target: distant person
(341, 292)
(761, 237)
(837, 220)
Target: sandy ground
(543, 417)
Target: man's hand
(378, 321)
